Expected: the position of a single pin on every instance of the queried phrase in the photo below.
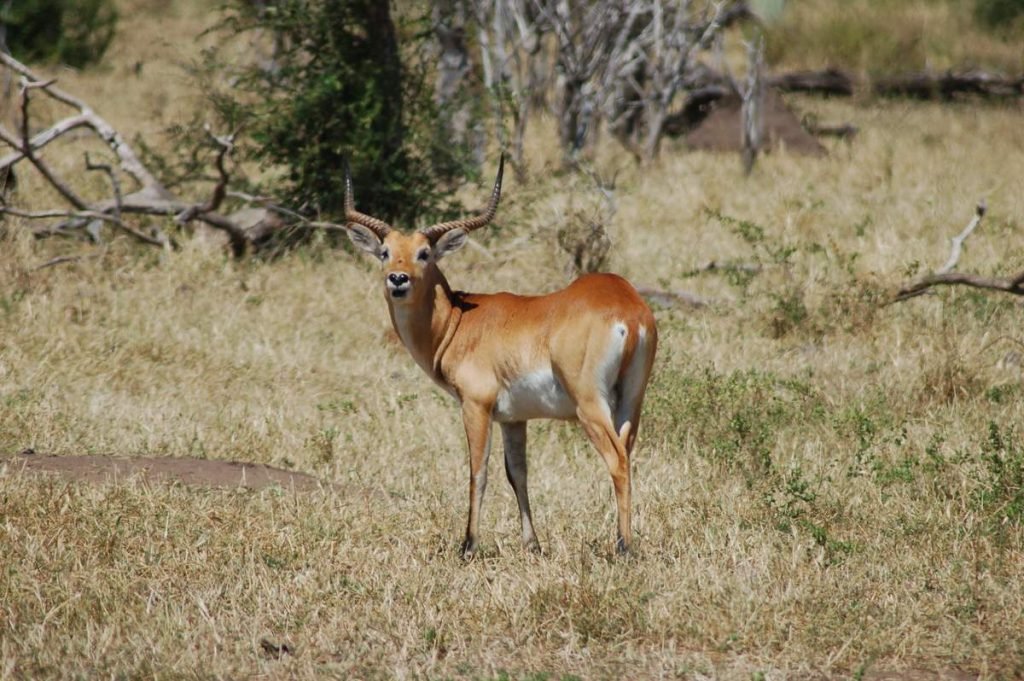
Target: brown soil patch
(197, 472)
(721, 129)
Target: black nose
(398, 278)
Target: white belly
(537, 395)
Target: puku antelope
(583, 353)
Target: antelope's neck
(426, 328)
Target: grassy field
(825, 486)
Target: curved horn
(434, 232)
(378, 227)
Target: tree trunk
(453, 68)
(382, 42)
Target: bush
(999, 13)
(334, 86)
(72, 32)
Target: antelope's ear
(364, 239)
(449, 243)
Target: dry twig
(64, 259)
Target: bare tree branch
(827, 82)
(946, 276)
(152, 198)
(26, 148)
(79, 217)
(115, 183)
(957, 242)
(843, 131)
(1013, 285)
(226, 144)
(41, 139)
(130, 162)
(930, 85)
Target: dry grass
(824, 486)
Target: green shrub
(998, 13)
(72, 32)
(734, 418)
(341, 81)
(1001, 489)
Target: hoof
(468, 549)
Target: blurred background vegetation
(304, 83)
(71, 32)
(884, 36)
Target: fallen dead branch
(918, 84)
(709, 85)
(827, 82)
(929, 85)
(1013, 285)
(947, 276)
(86, 117)
(82, 217)
(150, 198)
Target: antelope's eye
(423, 255)
(384, 254)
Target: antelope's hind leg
(514, 438)
(608, 406)
(632, 386)
(595, 417)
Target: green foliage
(999, 14)
(72, 32)
(333, 86)
(741, 273)
(1003, 393)
(754, 234)
(735, 419)
(742, 421)
(1002, 479)
(788, 312)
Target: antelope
(583, 353)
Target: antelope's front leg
(477, 420)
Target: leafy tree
(73, 32)
(333, 86)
